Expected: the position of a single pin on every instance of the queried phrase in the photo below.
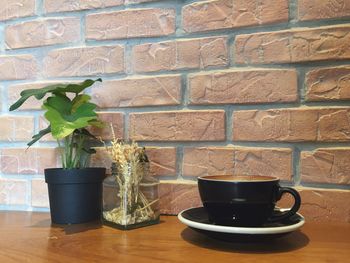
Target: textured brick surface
(40, 196)
(324, 84)
(176, 196)
(138, 91)
(17, 67)
(16, 128)
(87, 61)
(264, 161)
(101, 159)
(328, 165)
(64, 5)
(28, 161)
(305, 124)
(322, 9)
(178, 126)
(243, 86)
(13, 192)
(296, 45)
(323, 205)
(10, 9)
(41, 32)
(219, 14)
(238, 161)
(163, 160)
(208, 161)
(112, 120)
(130, 24)
(207, 86)
(180, 54)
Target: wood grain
(29, 237)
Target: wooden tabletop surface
(30, 237)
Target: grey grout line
(179, 162)
(296, 165)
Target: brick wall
(209, 87)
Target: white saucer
(197, 219)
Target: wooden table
(29, 237)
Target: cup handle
(291, 211)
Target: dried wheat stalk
(134, 206)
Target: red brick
(324, 84)
(28, 161)
(329, 165)
(238, 161)
(62, 5)
(156, 90)
(10, 9)
(84, 61)
(130, 23)
(101, 159)
(220, 14)
(40, 196)
(17, 67)
(264, 161)
(291, 125)
(322, 9)
(16, 128)
(241, 86)
(162, 160)
(325, 205)
(295, 45)
(178, 126)
(116, 119)
(180, 54)
(42, 32)
(13, 192)
(175, 196)
(208, 161)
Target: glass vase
(130, 197)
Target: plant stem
(67, 151)
(64, 165)
(79, 152)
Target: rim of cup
(239, 178)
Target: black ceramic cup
(244, 200)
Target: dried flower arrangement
(130, 164)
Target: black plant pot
(75, 195)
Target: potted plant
(75, 191)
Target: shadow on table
(70, 228)
(75, 228)
(247, 244)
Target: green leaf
(84, 110)
(79, 100)
(39, 135)
(54, 89)
(61, 103)
(61, 128)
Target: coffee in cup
(246, 201)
